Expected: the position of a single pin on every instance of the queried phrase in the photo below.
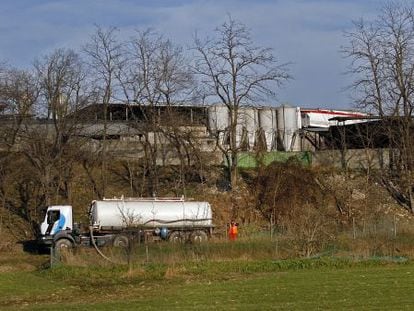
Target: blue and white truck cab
(57, 223)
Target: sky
(306, 33)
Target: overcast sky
(308, 33)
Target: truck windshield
(52, 217)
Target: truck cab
(58, 221)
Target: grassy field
(232, 285)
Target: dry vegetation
(285, 211)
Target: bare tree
(40, 153)
(52, 146)
(236, 73)
(18, 93)
(382, 54)
(154, 77)
(48, 148)
(104, 56)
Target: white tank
(289, 123)
(247, 126)
(268, 124)
(122, 213)
(218, 120)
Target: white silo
(251, 121)
(268, 125)
(288, 124)
(218, 121)
(241, 131)
(247, 126)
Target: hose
(178, 220)
(97, 249)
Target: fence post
(277, 247)
(53, 257)
(271, 227)
(395, 226)
(363, 228)
(353, 228)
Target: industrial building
(265, 128)
(283, 128)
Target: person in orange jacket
(233, 231)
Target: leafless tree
(41, 143)
(382, 54)
(52, 146)
(18, 93)
(104, 54)
(154, 76)
(236, 73)
(48, 148)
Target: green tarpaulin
(251, 160)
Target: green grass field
(238, 285)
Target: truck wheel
(199, 236)
(63, 245)
(176, 237)
(120, 240)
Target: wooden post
(53, 258)
(271, 227)
(363, 227)
(353, 228)
(395, 226)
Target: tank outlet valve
(164, 233)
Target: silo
(288, 123)
(251, 121)
(218, 121)
(247, 126)
(268, 126)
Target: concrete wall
(352, 158)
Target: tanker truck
(117, 222)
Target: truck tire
(120, 240)
(176, 237)
(63, 245)
(199, 236)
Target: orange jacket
(233, 230)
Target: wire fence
(383, 236)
